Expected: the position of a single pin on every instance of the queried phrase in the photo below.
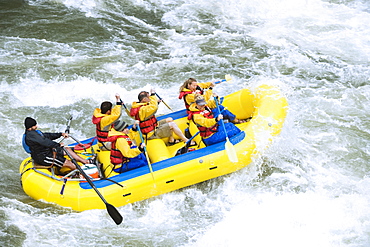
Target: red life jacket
(116, 156)
(102, 135)
(204, 131)
(147, 125)
(184, 93)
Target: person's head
(201, 103)
(190, 84)
(121, 126)
(143, 97)
(30, 123)
(106, 107)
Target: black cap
(29, 122)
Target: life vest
(148, 124)
(102, 135)
(204, 131)
(116, 156)
(183, 94)
(24, 144)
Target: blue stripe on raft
(174, 115)
(165, 163)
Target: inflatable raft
(266, 108)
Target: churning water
(310, 188)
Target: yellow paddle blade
(228, 78)
(230, 150)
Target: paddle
(84, 146)
(68, 125)
(146, 154)
(184, 147)
(126, 109)
(112, 211)
(67, 129)
(230, 150)
(163, 102)
(227, 78)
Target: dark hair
(142, 95)
(105, 106)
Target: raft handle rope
(24, 166)
(63, 186)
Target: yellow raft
(266, 107)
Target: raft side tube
(240, 103)
(144, 170)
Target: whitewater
(311, 187)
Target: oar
(67, 129)
(112, 211)
(184, 147)
(146, 154)
(229, 147)
(163, 102)
(126, 109)
(68, 125)
(84, 146)
(227, 78)
(67, 132)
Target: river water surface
(61, 58)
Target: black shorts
(49, 159)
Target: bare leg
(76, 157)
(170, 122)
(69, 164)
(169, 119)
(177, 131)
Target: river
(62, 58)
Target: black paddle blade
(113, 212)
(182, 150)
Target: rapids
(61, 58)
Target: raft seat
(157, 150)
(50, 168)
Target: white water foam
(310, 188)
